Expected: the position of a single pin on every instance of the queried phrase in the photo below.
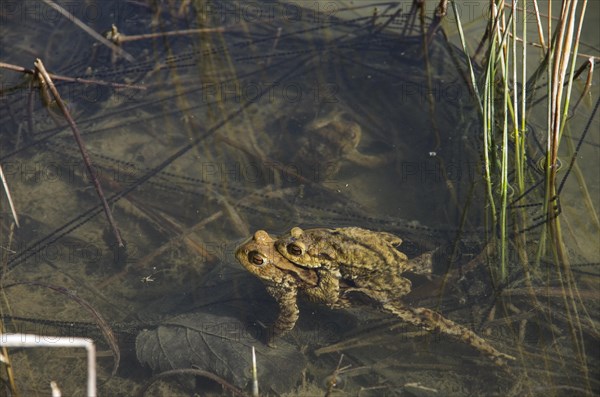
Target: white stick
(254, 374)
(29, 340)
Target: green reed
(505, 92)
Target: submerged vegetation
(473, 138)
(519, 175)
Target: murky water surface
(230, 117)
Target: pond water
(212, 120)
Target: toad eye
(295, 249)
(256, 258)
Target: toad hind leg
(432, 321)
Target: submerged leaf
(221, 345)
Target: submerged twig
(588, 82)
(21, 69)
(192, 371)
(122, 38)
(275, 42)
(9, 197)
(333, 380)
(86, 157)
(578, 147)
(5, 359)
(88, 30)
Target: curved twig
(102, 324)
(192, 371)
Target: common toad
(282, 278)
(330, 266)
(326, 142)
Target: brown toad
(358, 251)
(282, 278)
(329, 140)
(330, 265)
